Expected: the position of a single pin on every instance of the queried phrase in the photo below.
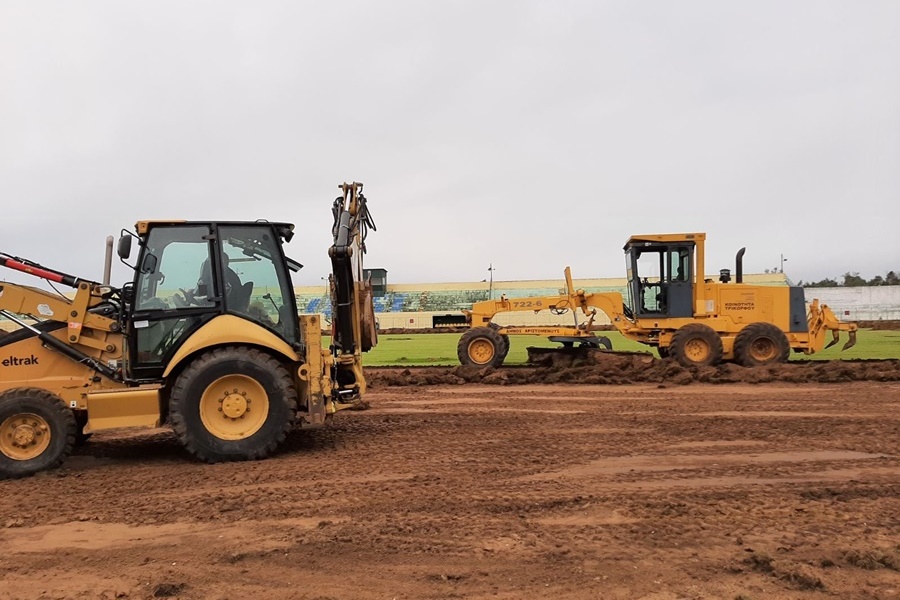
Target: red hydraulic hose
(38, 272)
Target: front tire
(481, 347)
(696, 345)
(761, 344)
(233, 403)
(37, 431)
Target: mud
(479, 491)
(886, 325)
(597, 367)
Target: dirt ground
(648, 490)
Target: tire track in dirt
(482, 491)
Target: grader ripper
(673, 308)
(206, 338)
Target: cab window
(172, 263)
(256, 280)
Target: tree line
(853, 280)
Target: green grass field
(439, 349)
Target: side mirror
(124, 247)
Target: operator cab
(188, 273)
(661, 271)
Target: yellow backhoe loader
(671, 306)
(206, 338)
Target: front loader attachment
(822, 319)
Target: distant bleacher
(424, 300)
(454, 297)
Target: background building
(427, 305)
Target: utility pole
(783, 259)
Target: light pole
(783, 259)
(491, 283)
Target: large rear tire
(696, 345)
(761, 344)
(37, 431)
(233, 403)
(481, 347)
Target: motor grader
(672, 307)
(206, 338)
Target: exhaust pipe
(739, 266)
(107, 262)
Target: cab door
(660, 280)
(678, 286)
(172, 297)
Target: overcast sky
(527, 135)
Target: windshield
(171, 263)
(256, 280)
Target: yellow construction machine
(206, 338)
(671, 306)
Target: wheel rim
(697, 350)
(481, 351)
(234, 407)
(24, 436)
(763, 349)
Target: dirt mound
(879, 325)
(625, 368)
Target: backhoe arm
(353, 314)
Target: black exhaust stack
(739, 266)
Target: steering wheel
(189, 298)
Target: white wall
(871, 303)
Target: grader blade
(560, 355)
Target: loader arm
(18, 303)
(26, 300)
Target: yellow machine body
(230, 365)
(676, 310)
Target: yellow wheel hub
(697, 350)
(763, 349)
(234, 407)
(24, 436)
(481, 351)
